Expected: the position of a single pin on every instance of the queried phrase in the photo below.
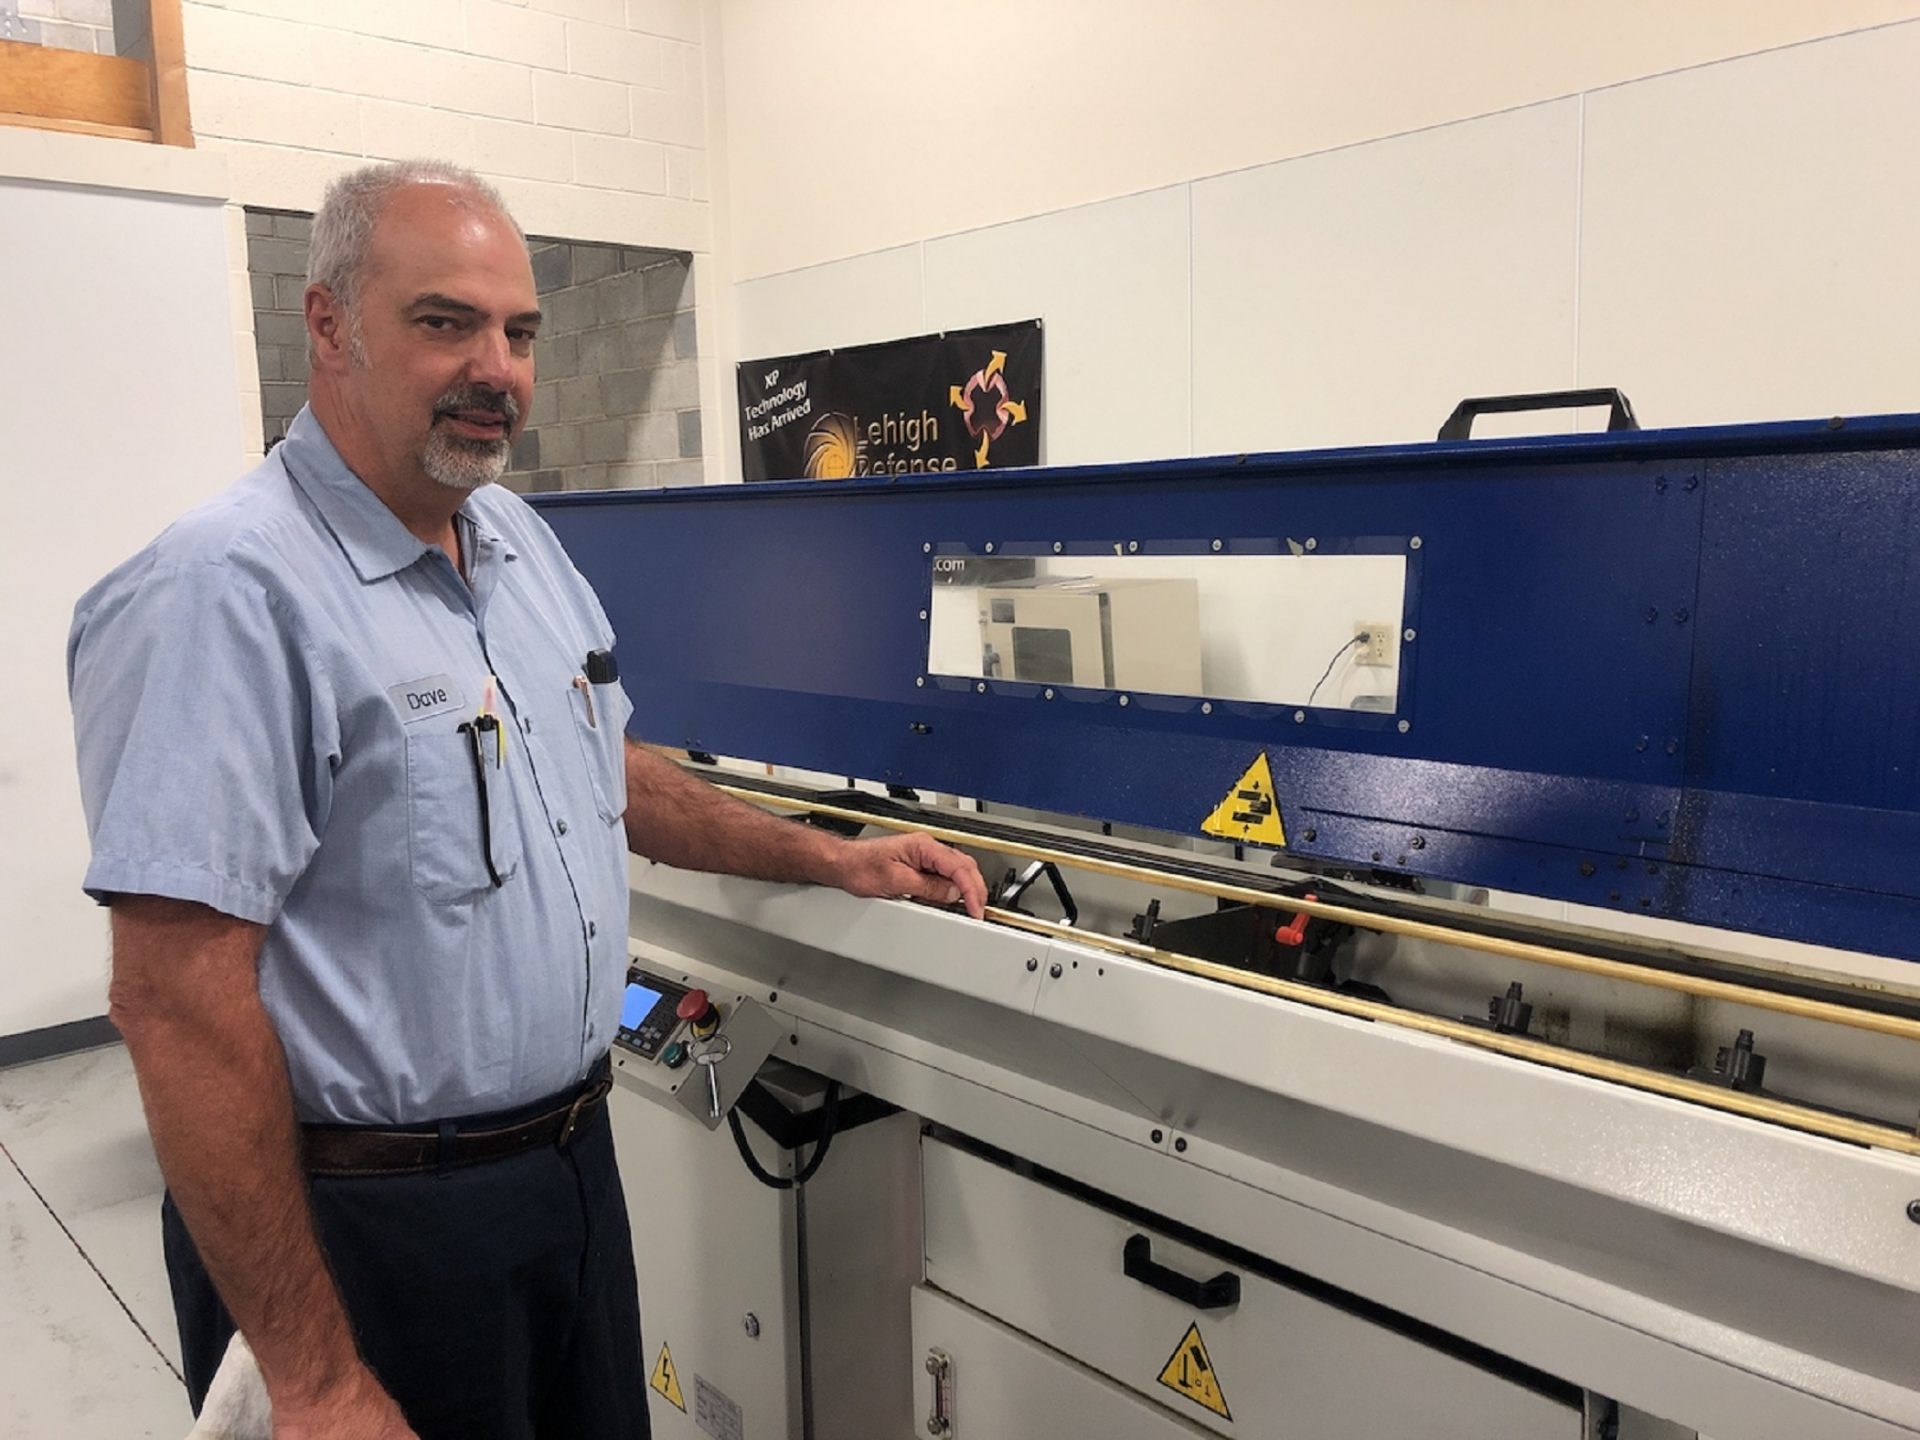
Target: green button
(674, 1056)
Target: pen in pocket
(472, 730)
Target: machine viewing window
(1288, 628)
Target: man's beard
(460, 463)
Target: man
(355, 773)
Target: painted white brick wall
(528, 152)
(591, 114)
(617, 55)
(508, 31)
(573, 102)
(614, 163)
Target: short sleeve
(206, 739)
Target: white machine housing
(1428, 1239)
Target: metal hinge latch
(940, 1367)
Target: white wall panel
(1111, 283)
(850, 302)
(859, 124)
(1748, 235)
(127, 413)
(1353, 297)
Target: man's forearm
(213, 1081)
(681, 820)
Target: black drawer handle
(1215, 1294)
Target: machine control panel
(651, 1012)
(689, 1048)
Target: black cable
(1363, 638)
(829, 1120)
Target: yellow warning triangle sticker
(1190, 1372)
(667, 1381)
(1250, 811)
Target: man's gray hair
(343, 226)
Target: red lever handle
(1294, 933)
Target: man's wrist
(827, 858)
(320, 1375)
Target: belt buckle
(582, 1103)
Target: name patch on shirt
(419, 699)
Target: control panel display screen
(647, 1018)
(640, 1001)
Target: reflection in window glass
(1275, 629)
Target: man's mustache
(477, 397)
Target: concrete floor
(88, 1349)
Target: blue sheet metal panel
(1532, 591)
(1618, 660)
(1805, 684)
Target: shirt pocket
(597, 724)
(448, 846)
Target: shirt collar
(375, 541)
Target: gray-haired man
(363, 823)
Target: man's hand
(917, 866)
(679, 819)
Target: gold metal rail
(1758, 1107)
(1826, 1011)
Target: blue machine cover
(1665, 672)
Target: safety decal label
(1250, 811)
(715, 1413)
(667, 1380)
(1190, 1372)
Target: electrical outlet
(1377, 650)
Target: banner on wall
(963, 400)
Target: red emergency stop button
(699, 1012)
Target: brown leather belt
(363, 1150)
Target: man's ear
(327, 328)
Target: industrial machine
(1501, 1025)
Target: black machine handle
(1215, 1294)
(1620, 415)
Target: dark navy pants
(494, 1302)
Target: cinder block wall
(277, 273)
(616, 401)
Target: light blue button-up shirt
(268, 703)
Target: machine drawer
(1246, 1355)
(999, 1385)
